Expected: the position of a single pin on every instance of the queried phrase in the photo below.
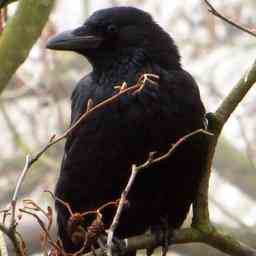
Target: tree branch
(224, 243)
(20, 34)
(212, 10)
(216, 122)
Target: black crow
(123, 43)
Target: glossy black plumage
(98, 156)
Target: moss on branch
(20, 34)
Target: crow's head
(117, 32)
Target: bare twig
(119, 210)
(44, 228)
(31, 205)
(212, 10)
(90, 110)
(19, 141)
(11, 231)
(217, 120)
(18, 186)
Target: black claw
(167, 241)
(119, 247)
(163, 235)
(150, 251)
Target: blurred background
(36, 105)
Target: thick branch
(213, 237)
(236, 95)
(20, 34)
(216, 122)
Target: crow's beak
(69, 41)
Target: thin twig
(212, 10)
(174, 147)
(90, 110)
(21, 179)
(17, 189)
(31, 205)
(119, 210)
(44, 228)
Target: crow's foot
(164, 235)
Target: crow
(123, 43)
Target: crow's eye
(112, 29)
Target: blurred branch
(212, 10)
(232, 217)
(229, 161)
(3, 247)
(17, 138)
(19, 141)
(20, 34)
(4, 3)
(248, 143)
(14, 95)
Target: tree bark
(20, 34)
